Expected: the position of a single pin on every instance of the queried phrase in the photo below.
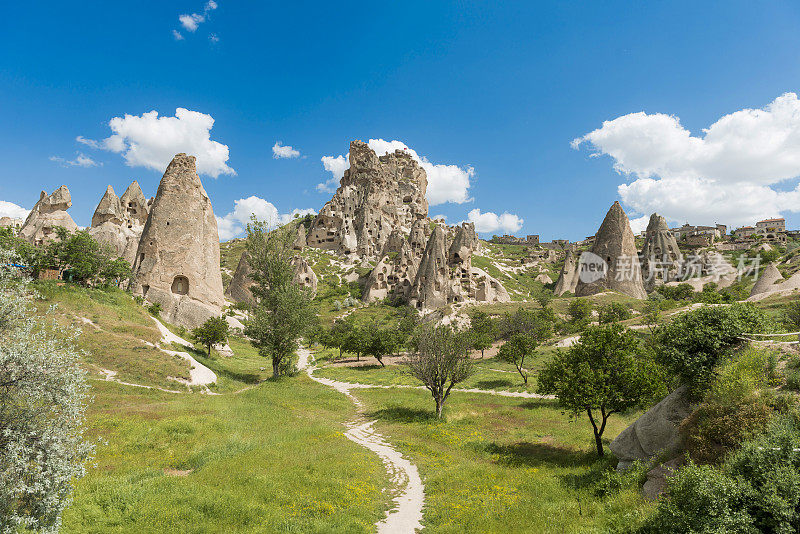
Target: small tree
(652, 315)
(602, 374)
(213, 332)
(580, 311)
(515, 350)
(378, 342)
(615, 311)
(439, 362)
(283, 309)
(483, 331)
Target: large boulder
(135, 205)
(615, 245)
(48, 213)
(376, 195)
(655, 432)
(303, 273)
(177, 261)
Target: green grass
(119, 344)
(502, 465)
(271, 459)
(490, 373)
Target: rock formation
(177, 261)
(771, 282)
(239, 288)
(300, 240)
(655, 432)
(376, 195)
(303, 274)
(113, 226)
(615, 245)
(661, 258)
(568, 278)
(48, 213)
(440, 274)
(136, 206)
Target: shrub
(691, 345)
(154, 309)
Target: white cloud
(177, 35)
(726, 175)
(491, 222)
(81, 160)
(191, 22)
(233, 224)
(446, 183)
(151, 141)
(9, 209)
(284, 151)
(639, 224)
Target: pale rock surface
(113, 226)
(376, 195)
(300, 240)
(177, 261)
(48, 213)
(615, 244)
(655, 432)
(568, 278)
(771, 282)
(661, 258)
(303, 273)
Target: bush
(154, 309)
(138, 299)
(616, 311)
(693, 344)
(756, 490)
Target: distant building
(687, 230)
(744, 231)
(514, 240)
(8, 222)
(770, 228)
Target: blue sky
(498, 91)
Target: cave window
(180, 286)
(407, 199)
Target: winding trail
(199, 374)
(410, 492)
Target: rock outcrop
(376, 195)
(177, 261)
(113, 226)
(300, 240)
(568, 278)
(48, 213)
(615, 245)
(136, 206)
(440, 274)
(655, 432)
(661, 258)
(239, 288)
(303, 273)
(772, 282)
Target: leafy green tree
(483, 331)
(283, 309)
(652, 315)
(615, 311)
(691, 345)
(339, 334)
(43, 392)
(213, 332)
(580, 311)
(515, 350)
(378, 342)
(604, 373)
(354, 341)
(544, 298)
(439, 361)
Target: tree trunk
(209, 350)
(598, 433)
(439, 408)
(276, 362)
